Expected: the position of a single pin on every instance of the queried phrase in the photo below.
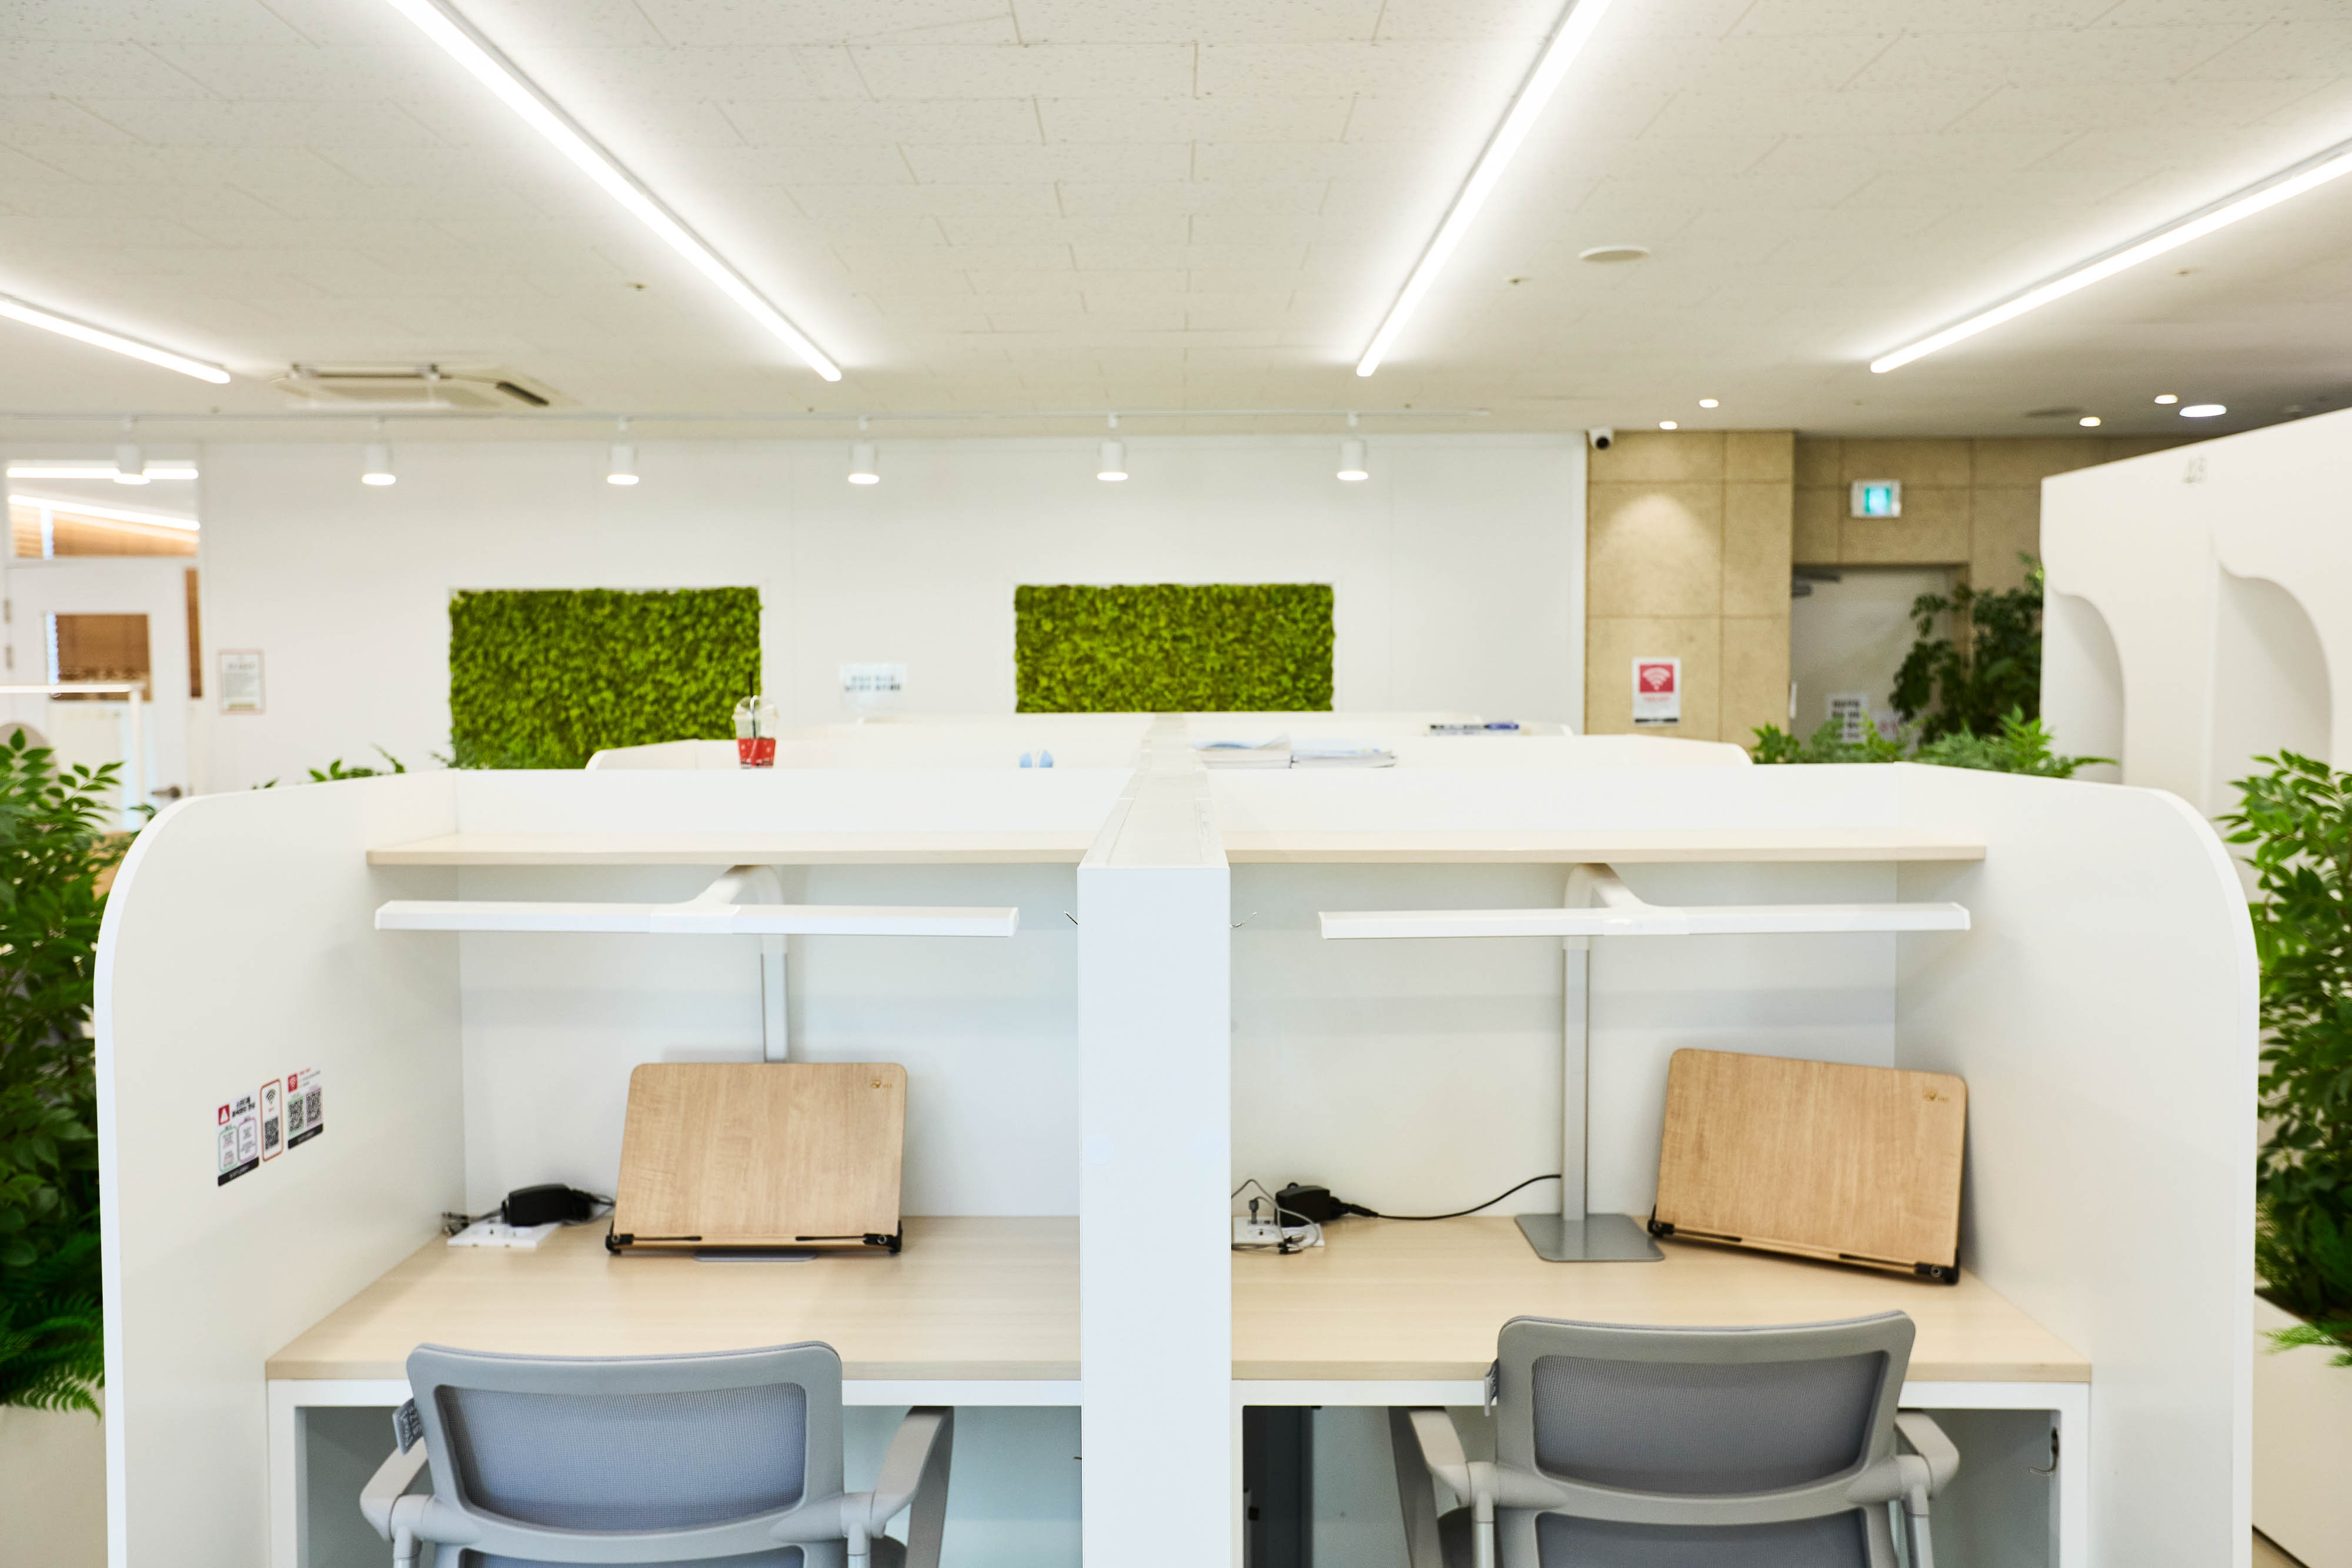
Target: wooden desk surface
(1388, 1298)
(968, 1299)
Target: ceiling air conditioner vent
(469, 389)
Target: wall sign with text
(1657, 691)
(241, 680)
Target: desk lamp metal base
(1595, 1239)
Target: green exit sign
(1878, 498)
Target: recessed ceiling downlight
(2203, 411)
(1608, 253)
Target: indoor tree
(2298, 819)
(1988, 666)
(52, 846)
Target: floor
(2269, 1556)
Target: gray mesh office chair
(1681, 1447)
(658, 1459)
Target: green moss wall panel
(1173, 648)
(542, 678)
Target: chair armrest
(1919, 1432)
(391, 1481)
(914, 1474)
(1441, 1449)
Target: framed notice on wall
(241, 680)
(1657, 691)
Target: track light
(864, 458)
(442, 24)
(377, 467)
(1111, 465)
(31, 315)
(1576, 25)
(2261, 195)
(621, 460)
(129, 465)
(1351, 460)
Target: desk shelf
(976, 848)
(1595, 846)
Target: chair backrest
(630, 1443)
(1668, 1446)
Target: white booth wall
(1458, 567)
(2200, 606)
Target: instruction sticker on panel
(1657, 691)
(273, 1121)
(306, 1111)
(239, 1135)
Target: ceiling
(1006, 205)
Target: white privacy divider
(2103, 1010)
(236, 953)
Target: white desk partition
(1155, 1327)
(238, 950)
(2103, 1011)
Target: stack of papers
(1341, 754)
(1275, 753)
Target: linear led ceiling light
(1576, 25)
(98, 336)
(2260, 196)
(481, 57)
(96, 471)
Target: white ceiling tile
(722, 24)
(2212, 105)
(1113, 255)
(936, 122)
(991, 229)
(1065, 71)
(1195, 21)
(32, 68)
(1463, 73)
(2045, 58)
(1319, 117)
(750, 168)
(1852, 112)
(1886, 17)
(1138, 161)
(1259, 162)
(2286, 50)
(253, 167)
(146, 21)
(1465, 21)
(1085, 200)
(30, 123)
(822, 202)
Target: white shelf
(1659, 920)
(670, 919)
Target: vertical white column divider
(1155, 1260)
(775, 1041)
(1575, 1073)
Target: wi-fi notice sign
(1657, 691)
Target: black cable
(1376, 1213)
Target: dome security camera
(1601, 436)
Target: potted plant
(53, 852)
(2297, 818)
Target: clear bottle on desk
(755, 732)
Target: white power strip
(497, 1233)
(1266, 1233)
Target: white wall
(1458, 566)
(2221, 574)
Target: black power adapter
(549, 1204)
(1314, 1204)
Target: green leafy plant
(1990, 664)
(544, 678)
(2298, 817)
(1173, 648)
(335, 769)
(2018, 745)
(53, 845)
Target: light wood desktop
(1395, 1300)
(969, 1300)
(975, 847)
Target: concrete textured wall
(1687, 555)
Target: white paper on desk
(498, 1233)
(1275, 753)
